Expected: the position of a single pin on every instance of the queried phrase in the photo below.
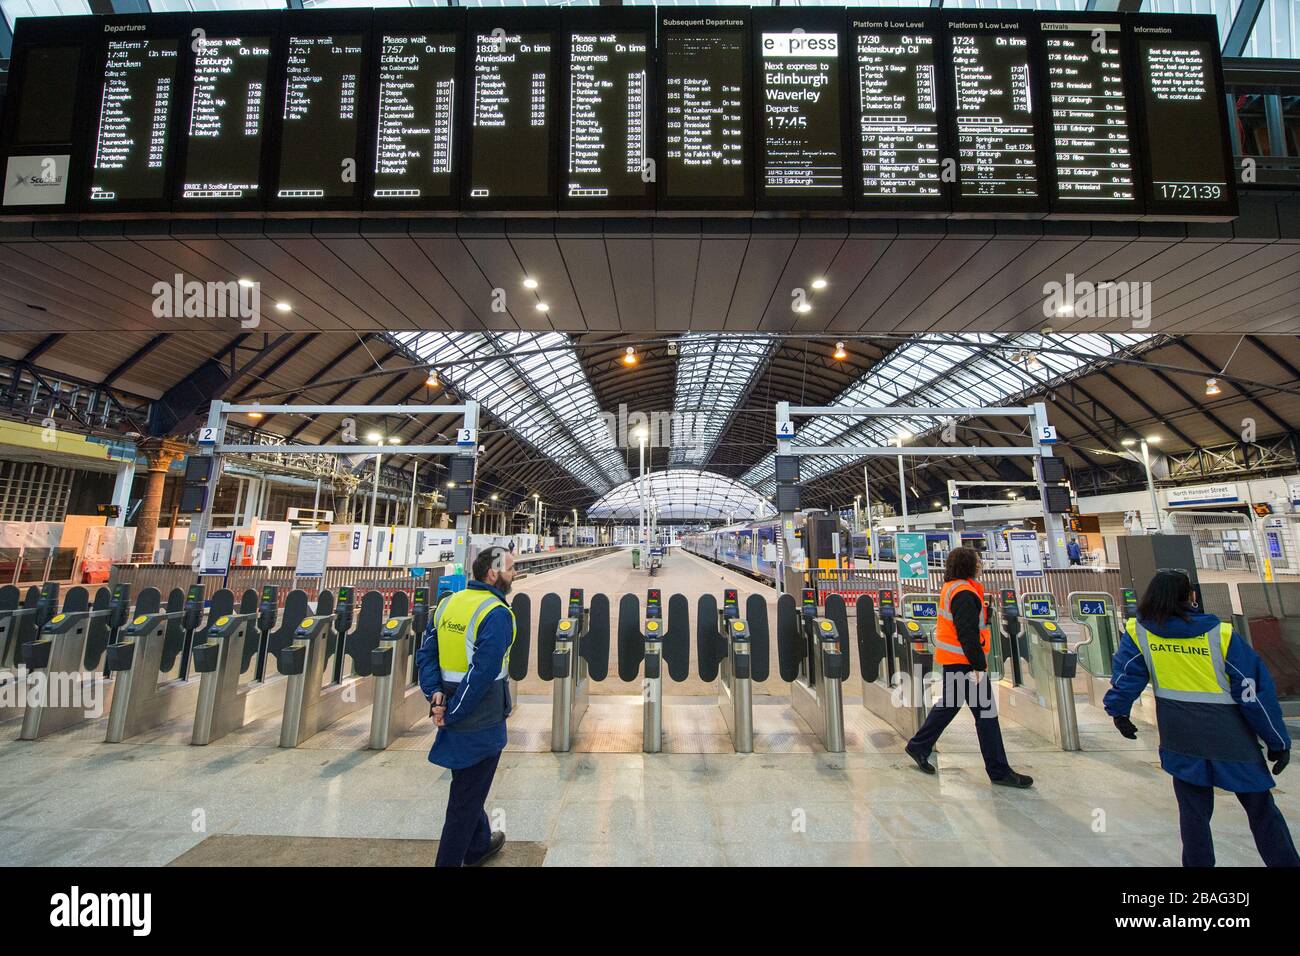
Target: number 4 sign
(785, 429)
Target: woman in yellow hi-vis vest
(961, 640)
(1215, 702)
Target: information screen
(318, 138)
(417, 101)
(897, 116)
(608, 153)
(706, 109)
(132, 135)
(511, 118)
(993, 104)
(1182, 104)
(227, 116)
(801, 153)
(1091, 142)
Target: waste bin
(636, 558)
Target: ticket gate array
(63, 683)
(901, 638)
(732, 650)
(650, 648)
(1094, 612)
(20, 623)
(398, 700)
(814, 658)
(148, 649)
(1041, 696)
(572, 651)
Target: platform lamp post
(903, 435)
(1144, 444)
(575, 527)
(374, 438)
(641, 434)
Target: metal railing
(546, 562)
(165, 577)
(850, 583)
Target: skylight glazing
(684, 494)
(714, 374)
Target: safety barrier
(547, 562)
(852, 583)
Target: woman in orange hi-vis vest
(961, 640)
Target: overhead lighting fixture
(629, 357)
(1212, 387)
(803, 307)
(395, 440)
(839, 351)
(819, 283)
(541, 307)
(530, 283)
(247, 283)
(1153, 439)
(255, 416)
(494, 497)
(432, 380)
(374, 437)
(451, 484)
(283, 306)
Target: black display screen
(132, 139)
(993, 105)
(227, 117)
(318, 138)
(798, 69)
(418, 95)
(897, 117)
(47, 99)
(706, 111)
(511, 118)
(1188, 166)
(1091, 141)
(608, 154)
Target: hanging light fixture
(840, 353)
(629, 357)
(432, 380)
(1212, 387)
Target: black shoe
(495, 843)
(922, 762)
(1018, 780)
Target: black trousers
(971, 691)
(466, 830)
(1196, 804)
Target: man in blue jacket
(463, 664)
(1215, 701)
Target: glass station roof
(714, 373)
(685, 494)
(534, 383)
(956, 370)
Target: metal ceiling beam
(141, 353)
(41, 347)
(1255, 403)
(341, 357)
(1243, 25)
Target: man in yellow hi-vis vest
(463, 664)
(1215, 702)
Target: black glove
(1280, 759)
(1126, 727)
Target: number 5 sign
(1047, 434)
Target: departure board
(799, 67)
(1093, 160)
(608, 154)
(897, 116)
(706, 111)
(417, 96)
(511, 122)
(227, 119)
(133, 126)
(318, 136)
(1188, 164)
(994, 110)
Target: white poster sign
(217, 548)
(313, 550)
(1026, 556)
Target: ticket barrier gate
(142, 663)
(399, 702)
(660, 642)
(64, 686)
(1094, 612)
(268, 611)
(1044, 703)
(225, 653)
(733, 650)
(814, 658)
(571, 652)
(908, 653)
(21, 623)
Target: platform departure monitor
(897, 119)
(706, 111)
(608, 149)
(994, 109)
(132, 139)
(1092, 155)
(511, 113)
(416, 101)
(322, 106)
(226, 118)
(798, 72)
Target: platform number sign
(785, 430)
(466, 436)
(1047, 434)
(207, 436)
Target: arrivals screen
(510, 117)
(318, 141)
(608, 124)
(993, 102)
(1182, 102)
(416, 102)
(132, 135)
(706, 112)
(226, 118)
(896, 112)
(801, 139)
(1091, 142)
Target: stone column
(160, 453)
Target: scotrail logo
(180, 299)
(97, 910)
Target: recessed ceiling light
(803, 307)
(542, 307)
(283, 306)
(819, 283)
(247, 283)
(530, 283)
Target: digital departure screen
(227, 116)
(798, 68)
(511, 140)
(1093, 160)
(993, 104)
(132, 136)
(896, 115)
(607, 158)
(706, 110)
(417, 99)
(1182, 103)
(318, 138)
